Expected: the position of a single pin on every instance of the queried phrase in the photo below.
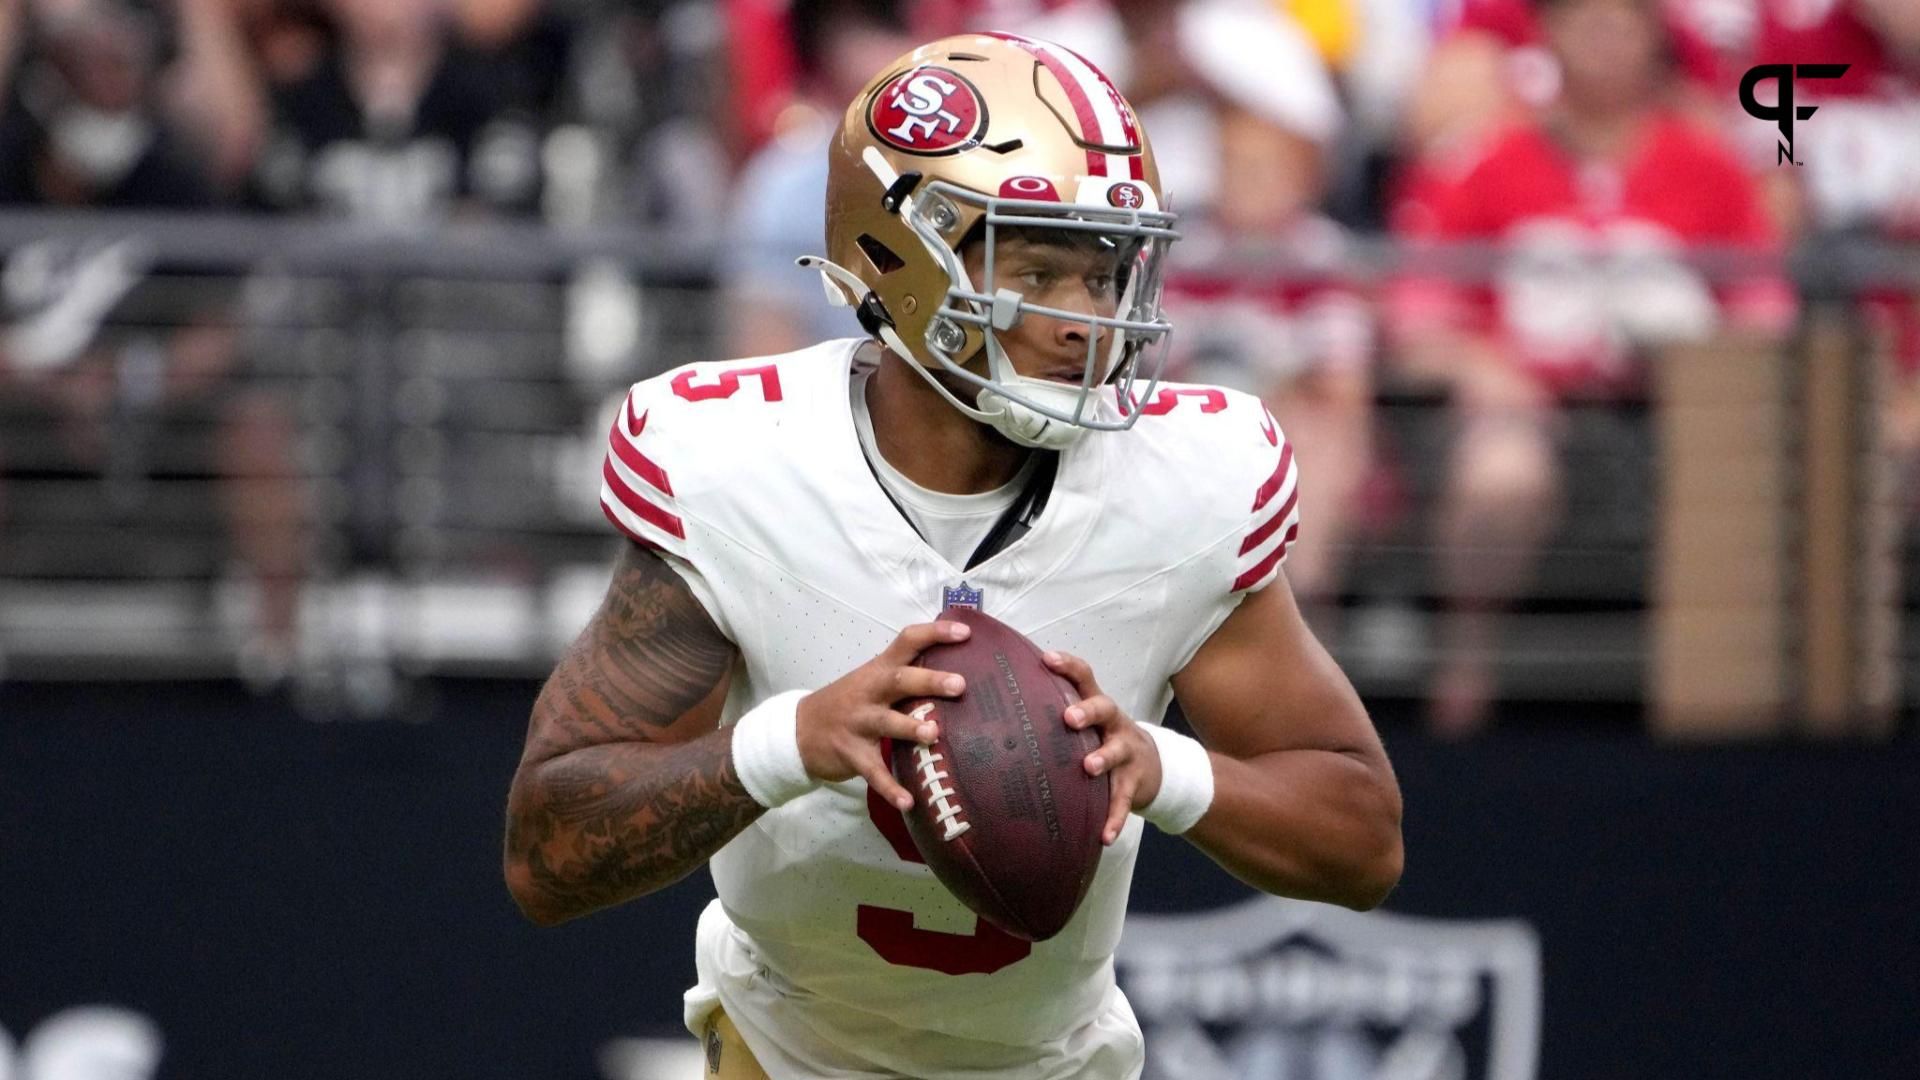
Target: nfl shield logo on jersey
(960, 597)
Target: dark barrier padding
(288, 899)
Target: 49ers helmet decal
(927, 110)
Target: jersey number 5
(1211, 400)
(728, 383)
(891, 933)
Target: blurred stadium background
(312, 311)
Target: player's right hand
(841, 724)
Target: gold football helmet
(969, 135)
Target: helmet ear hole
(881, 256)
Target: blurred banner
(258, 896)
(1283, 988)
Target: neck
(1595, 130)
(929, 441)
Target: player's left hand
(1127, 754)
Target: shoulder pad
(1216, 459)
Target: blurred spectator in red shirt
(1491, 65)
(1590, 205)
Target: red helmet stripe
(1121, 109)
(1091, 95)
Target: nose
(1069, 333)
(1079, 299)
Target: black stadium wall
(284, 899)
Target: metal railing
(443, 398)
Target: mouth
(1072, 377)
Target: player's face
(1077, 272)
(1608, 50)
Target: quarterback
(1000, 439)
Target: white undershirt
(953, 525)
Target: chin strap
(1016, 420)
(1029, 428)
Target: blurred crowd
(1595, 141)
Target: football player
(1000, 439)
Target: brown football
(1003, 810)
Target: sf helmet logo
(1782, 111)
(1126, 196)
(927, 110)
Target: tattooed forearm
(609, 823)
(626, 785)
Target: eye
(1035, 277)
(1101, 284)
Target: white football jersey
(832, 947)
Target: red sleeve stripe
(1265, 566)
(631, 501)
(1272, 487)
(1259, 536)
(642, 466)
(622, 526)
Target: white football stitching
(947, 811)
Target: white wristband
(766, 751)
(1186, 781)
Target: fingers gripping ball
(1003, 811)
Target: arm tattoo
(616, 796)
(612, 822)
(650, 654)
